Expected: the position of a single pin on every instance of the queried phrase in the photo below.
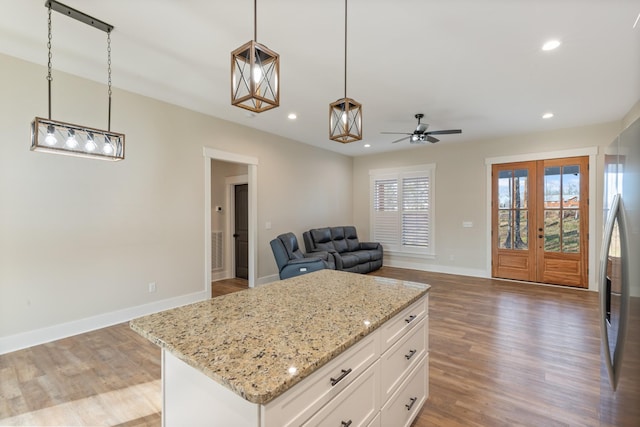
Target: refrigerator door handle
(613, 362)
(603, 289)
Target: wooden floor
(501, 354)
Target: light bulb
(71, 140)
(51, 138)
(90, 144)
(257, 74)
(107, 148)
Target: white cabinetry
(381, 381)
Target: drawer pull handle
(344, 373)
(410, 318)
(410, 355)
(410, 405)
(345, 423)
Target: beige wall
(80, 237)
(461, 192)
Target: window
(402, 209)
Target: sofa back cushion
(322, 239)
(337, 235)
(351, 238)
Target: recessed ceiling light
(551, 44)
(292, 116)
(367, 145)
(547, 115)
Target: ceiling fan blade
(432, 139)
(401, 139)
(444, 132)
(395, 133)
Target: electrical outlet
(152, 287)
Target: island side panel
(190, 398)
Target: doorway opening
(218, 210)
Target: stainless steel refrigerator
(619, 283)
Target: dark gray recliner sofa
(292, 262)
(348, 252)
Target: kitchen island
(324, 347)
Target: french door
(540, 221)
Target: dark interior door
(241, 233)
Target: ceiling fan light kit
(421, 135)
(52, 136)
(345, 115)
(255, 74)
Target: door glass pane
(520, 186)
(552, 230)
(504, 189)
(571, 186)
(552, 183)
(521, 231)
(571, 231)
(504, 229)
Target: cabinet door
(356, 406)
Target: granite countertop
(261, 341)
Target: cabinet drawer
(403, 356)
(299, 403)
(356, 406)
(392, 330)
(404, 405)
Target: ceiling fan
(421, 135)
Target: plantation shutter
(385, 207)
(401, 209)
(415, 211)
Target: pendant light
(57, 137)
(255, 74)
(345, 115)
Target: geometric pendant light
(52, 136)
(345, 115)
(255, 74)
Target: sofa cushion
(351, 237)
(363, 256)
(349, 260)
(322, 239)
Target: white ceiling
(470, 64)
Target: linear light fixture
(52, 136)
(345, 115)
(255, 74)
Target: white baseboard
(64, 330)
(435, 268)
(219, 275)
(267, 279)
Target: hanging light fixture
(255, 74)
(345, 115)
(53, 136)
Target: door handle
(540, 236)
(235, 235)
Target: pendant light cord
(255, 20)
(345, 49)
(49, 67)
(109, 77)
(49, 78)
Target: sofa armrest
(302, 266)
(370, 246)
(327, 256)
